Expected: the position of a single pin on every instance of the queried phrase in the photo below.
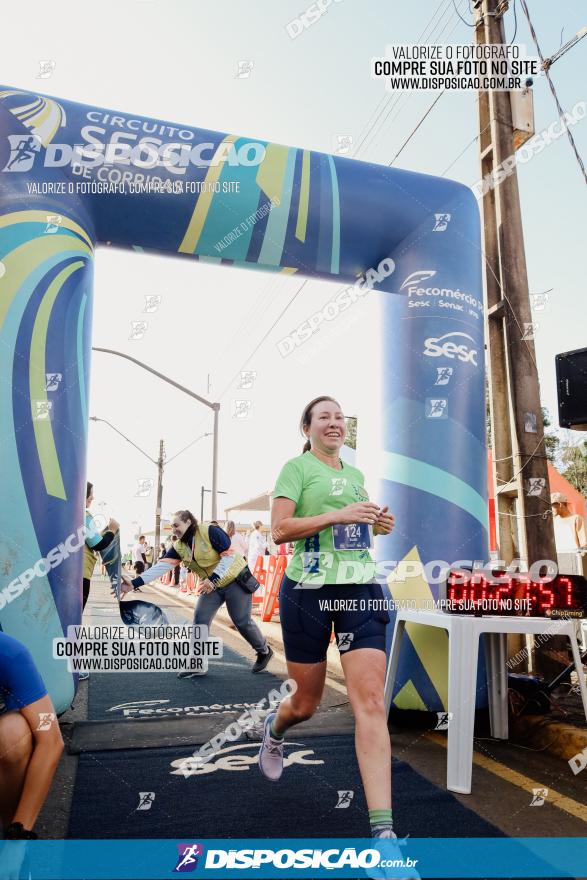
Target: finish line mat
(154, 733)
(228, 685)
(144, 793)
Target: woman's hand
(125, 584)
(360, 512)
(204, 587)
(113, 526)
(385, 522)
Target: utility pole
(214, 406)
(160, 461)
(522, 490)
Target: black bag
(247, 580)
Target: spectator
(238, 543)
(223, 578)
(138, 555)
(162, 551)
(95, 541)
(569, 528)
(257, 544)
(30, 740)
(149, 555)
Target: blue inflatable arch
(241, 201)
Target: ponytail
(307, 446)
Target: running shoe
(389, 847)
(83, 676)
(191, 673)
(262, 660)
(271, 752)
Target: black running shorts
(308, 615)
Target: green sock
(273, 732)
(380, 817)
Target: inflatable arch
(312, 214)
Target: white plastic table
(463, 650)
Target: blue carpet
(164, 695)
(231, 798)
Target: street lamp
(215, 407)
(159, 465)
(220, 492)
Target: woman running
(320, 503)
(224, 577)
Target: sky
(178, 60)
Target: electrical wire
(415, 129)
(515, 25)
(401, 107)
(552, 89)
(468, 23)
(396, 97)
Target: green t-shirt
(317, 488)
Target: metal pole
(215, 464)
(215, 407)
(159, 500)
(202, 505)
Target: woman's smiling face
(327, 430)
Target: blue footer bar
(273, 858)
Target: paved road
(504, 775)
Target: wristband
(15, 831)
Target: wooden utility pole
(522, 491)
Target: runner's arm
(287, 527)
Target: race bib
(356, 536)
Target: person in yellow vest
(94, 542)
(224, 577)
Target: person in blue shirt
(30, 740)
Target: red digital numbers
(475, 593)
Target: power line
(415, 129)
(299, 290)
(545, 67)
(287, 306)
(403, 94)
(395, 98)
(468, 23)
(262, 340)
(515, 24)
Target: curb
(557, 738)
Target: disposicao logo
(188, 857)
(23, 150)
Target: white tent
(260, 502)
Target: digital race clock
(510, 593)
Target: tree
(551, 440)
(575, 466)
